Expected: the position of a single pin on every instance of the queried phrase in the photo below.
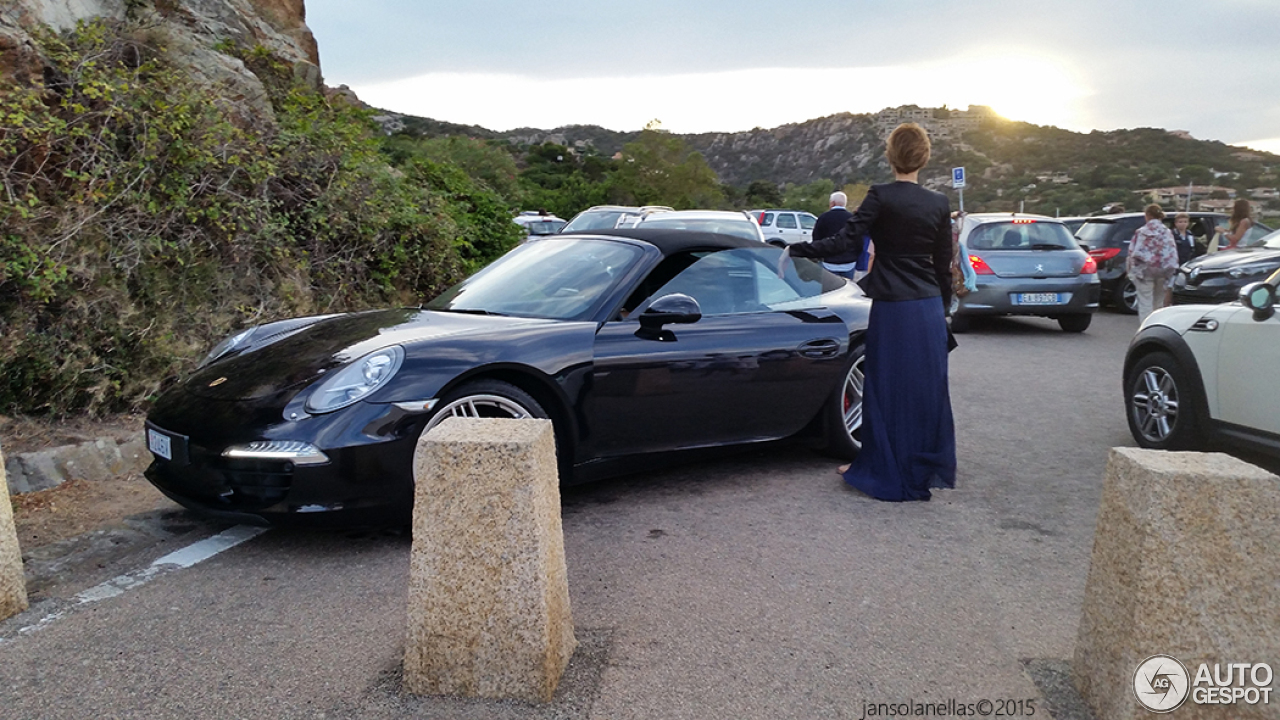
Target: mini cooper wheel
(486, 399)
(1161, 404)
(844, 410)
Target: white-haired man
(830, 223)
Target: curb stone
(95, 460)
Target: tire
(961, 324)
(488, 399)
(1075, 323)
(843, 411)
(1127, 299)
(1160, 404)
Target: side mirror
(1260, 298)
(673, 309)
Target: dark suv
(1108, 236)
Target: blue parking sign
(957, 177)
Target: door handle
(820, 349)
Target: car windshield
(596, 220)
(1255, 236)
(1021, 235)
(1271, 241)
(737, 227)
(557, 278)
(544, 227)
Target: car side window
(734, 281)
(787, 221)
(766, 220)
(807, 222)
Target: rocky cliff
(195, 34)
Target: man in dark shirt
(831, 223)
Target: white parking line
(178, 560)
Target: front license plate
(160, 444)
(1038, 299)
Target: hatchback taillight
(1104, 254)
(980, 266)
(1090, 267)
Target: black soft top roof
(671, 241)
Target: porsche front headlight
(356, 380)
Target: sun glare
(1019, 86)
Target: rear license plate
(160, 444)
(1038, 299)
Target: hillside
(175, 172)
(1009, 163)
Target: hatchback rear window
(1108, 233)
(1026, 235)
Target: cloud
(1112, 63)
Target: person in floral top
(1153, 259)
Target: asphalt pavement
(754, 586)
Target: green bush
(142, 219)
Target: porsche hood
(300, 358)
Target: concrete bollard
(488, 589)
(13, 588)
(1184, 564)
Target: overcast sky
(1211, 67)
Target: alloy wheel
(854, 383)
(1129, 296)
(481, 406)
(1155, 404)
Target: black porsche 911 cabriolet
(635, 343)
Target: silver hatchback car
(1027, 265)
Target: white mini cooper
(1196, 373)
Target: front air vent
(1205, 325)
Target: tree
(856, 192)
(1197, 174)
(659, 169)
(814, 197)
(762, 194)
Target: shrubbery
(141, 220)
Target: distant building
(1265, 193)
(1177, 195)
(1225, 206)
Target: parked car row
(1108, 236)
(776, 227)
(654, 332)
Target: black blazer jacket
(911, 228)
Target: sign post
(957, 182)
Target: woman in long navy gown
(908, 434)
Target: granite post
(1185, 563)
(13, 588)
(488, 588)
